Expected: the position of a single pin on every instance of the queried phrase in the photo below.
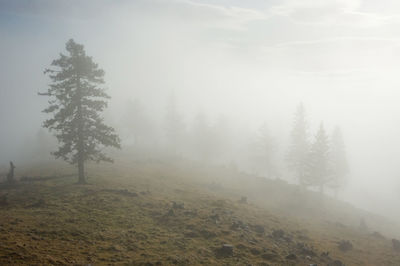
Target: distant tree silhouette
(205, 139)
(297, 155)
(137, 122)
(338, 160)
(264, 151)
(76, 103)
(318, 169)
(221, 133)
(10, 175)
(174, 127)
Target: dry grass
(126, 216)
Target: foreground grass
(158, 214)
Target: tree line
(78, 98)
(319, 162)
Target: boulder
(396, 244)
(345, 245)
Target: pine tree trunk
(81, 171)
(81, 157)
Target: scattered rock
(396, 244)
(237, 225)
(345, 245)
(192, 213)
(207, 234)
(170, 213)
(336, 263)
(291, 257)
(269, 256)
(278, 233)
(122, 192)
(176, 205)
(241, 246)
(305, 250)
(377, 235)
(191, 234)
(325, 254)
(166, 216)
(214, 218)
(243, 200)
(255, 251)
(340, 225)
(40, 203)
(225, 251)
(259, 229)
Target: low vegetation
(161, 213)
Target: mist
(225, 66)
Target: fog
(247, 63)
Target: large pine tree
(77, 99)
(299, 146)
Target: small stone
(278, 233)
(269, 256)
(176, 205)
(291, 257)
(255, 251)
(336, 263)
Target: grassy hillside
(158, 213)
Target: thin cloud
(329, 13)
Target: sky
(251, 60)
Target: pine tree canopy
(77, 100)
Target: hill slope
(168, 214)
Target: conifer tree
(174, 126)
(297, 155)
(339, 164)
(318, 168)
(265, 149)
(137, 123)
(77, 99)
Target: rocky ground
(158, 215)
